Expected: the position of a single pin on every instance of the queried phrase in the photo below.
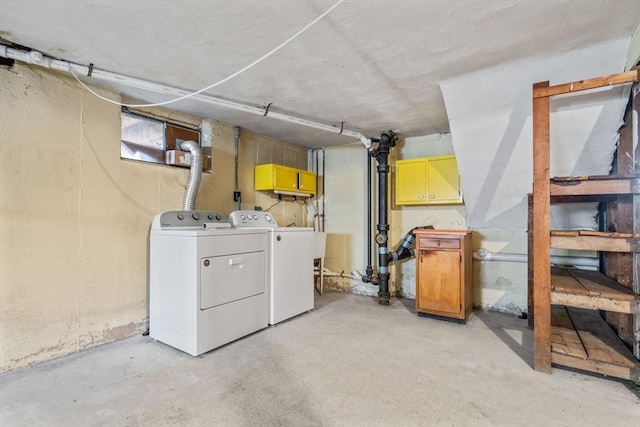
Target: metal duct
(195, 174)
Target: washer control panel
(252, 219)
(190, 219)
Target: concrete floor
(349, 362)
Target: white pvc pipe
(36, 58)
(485, 255)
(356, 275)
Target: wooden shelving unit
(568, 307)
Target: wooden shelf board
(581, 339)
(595, 185)
(564, 338)
(613, 177)
(595, 241)
(592, 290)
(584, 198)
(539, 91)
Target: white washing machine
(290, 264)
(208, 281)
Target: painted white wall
(345, 216)
(633, 54)
(490, 117)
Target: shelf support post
(541, 239)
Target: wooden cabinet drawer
(438, 243)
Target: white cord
(257, 61)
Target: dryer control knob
(218, 217)
(210, 216)
(267, 217)
(180, 216)
(195, 216)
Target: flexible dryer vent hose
(195, 175)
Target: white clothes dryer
(289, 266)
(208, 281)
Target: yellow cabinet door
(307, 182)
(444, 182)
(411, 179)
(427, 181)
(285, 179)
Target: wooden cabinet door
(439, 282)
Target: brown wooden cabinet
(443, 273)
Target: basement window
(152, 140)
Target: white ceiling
(375, 65)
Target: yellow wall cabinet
(284, 180)
(427, 181)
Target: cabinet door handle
(438, 242)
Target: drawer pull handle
(236, 263)
(438, 242)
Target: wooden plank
(582, 198)
(564, 338)
(587, 350)
(622, 372)
(593, 291)
(540, 92)
(541, 238)
(609, 234)
(615, 177)
(563, 281)
(593, 303)
(580, 186)
(599, 340)
(636, 228)
(530, 287)
(594, 243)
(597, 284)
